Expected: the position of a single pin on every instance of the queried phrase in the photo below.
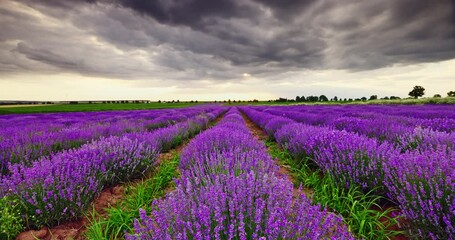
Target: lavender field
(230, 181)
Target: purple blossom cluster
(230, 190)
(424, 139)
(423, 184)
(416, 169)
(25, 138)
(61, 186)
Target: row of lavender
(421, 182)
(230, 189)
(413, 130)
(60, 187)
(25, 138)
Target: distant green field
(154, 105)
(90, 107)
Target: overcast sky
(221, 49)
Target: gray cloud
(219, 40)
(47, 57)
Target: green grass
(11, 222)
(361, 212)
(91, 107)
(120, 218)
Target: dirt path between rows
(110, 196)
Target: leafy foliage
(11, 222)
(417, 92)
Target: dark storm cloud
(46, 56)
(223, 39)
(184, 11)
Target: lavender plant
(423, 184)
(422, 139)
(275, 124)
(238, 207)
(353, 160)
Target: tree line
(324, 98)
(416, 92)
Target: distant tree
(394, 98)
(303, 99)
(350, 100)
(229, 101)
(178, 100)
(159, 101)
(363, 99)
(385, 98)
(323, 98)
(451, 94)
(373, 97)
(312, 98)
(437, 95)
(297, 99)
(255, 100)
(335, 99)
(417, 92)
(196, 101)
